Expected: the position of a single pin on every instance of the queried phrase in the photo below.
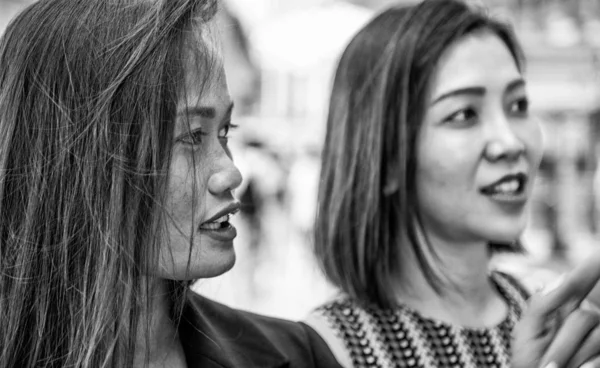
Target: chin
(214, 270)
(507, 234)
(211, 265)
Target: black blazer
(214, 335)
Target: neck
(465, 297)
(158, 341)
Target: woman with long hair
(116, 190)
(428, 164)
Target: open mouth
(218, 224)
(509, 185)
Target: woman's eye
(193, 138)
(224, 131)
(463, 116)
(520, 106)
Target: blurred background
(280, 56)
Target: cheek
(447, 163)
(437, 184)
(179, 202)
(188, 183)
(443, 163)
(180, 191)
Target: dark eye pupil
(521, 105)
(466, 114)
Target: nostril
(497, 150)
(493, 150)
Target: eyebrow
(478, 91)
(207, 112)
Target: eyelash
(452, 118)
(195, 137)
(227, 127)
(522, 109)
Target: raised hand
(557, 330)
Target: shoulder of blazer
(235, 338)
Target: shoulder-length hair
(88, 95)
(376, 109)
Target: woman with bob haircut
(116, 189)
(427, 167)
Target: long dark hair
(375, 113)
(88, 92)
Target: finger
(563, 312)
(541, 325)
(589, 350)
(575, 286)
(528, 346)
(594, 296)
(569, 338)
(593, 363)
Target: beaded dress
(401, 337)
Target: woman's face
(202, 178)
(478, 149)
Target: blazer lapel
(214, 335)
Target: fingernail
(553, 286)
(551, 365)
(587, 365)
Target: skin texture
(202, 178)
(471, 139)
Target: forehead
(479, 59)
(204, 72)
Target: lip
(515, 201)
(231, 208)
(222, 234)
(517, 175)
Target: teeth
(216, 224)
(222, 219)
(211, 226)
(507, 187)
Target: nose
(503, 143)
(225, 178)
